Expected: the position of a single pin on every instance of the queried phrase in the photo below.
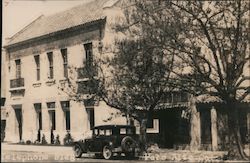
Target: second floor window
(18, 68)
(51, 69)
(65, 62)
(89, 55)
(37, 60)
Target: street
(33, 153)
(22, 156)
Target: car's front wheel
(107, 152)
(77, 151)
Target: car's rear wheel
(107, 152)
(77, 151)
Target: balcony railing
(86, 72)
(15, 83)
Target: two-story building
(38, 59)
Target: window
(65, 62)
(91, 117)
(67, 118)
(51, 105)
(101, 132)
(65, 106)
(130, 131)
(38, 108)
(108, 132)
(52, 115)
(37, 60)
(51, 71)
(89, 55)
(51, 108)
(123, 131)
(95, 131)
(18, 68)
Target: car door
(99, 139)
(92, 142)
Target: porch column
(195, 130)
(214, 134)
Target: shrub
(52, 138)
(28, 142)
(68, 140)
(57, 141)
(44, 140)
(37, 142)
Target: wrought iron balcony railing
(15, 83)
(85, 72)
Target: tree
(135, 80)
(210, 43)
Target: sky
(19, 13)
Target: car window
(122, 130)
(108, 132)
(101, 132)
(130, 131)
(95, 131)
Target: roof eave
(21, 43)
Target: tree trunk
(235, 148)
(195, 125)
(143, 134)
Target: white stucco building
(37, 61)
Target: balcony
(86, 72)
(16, 83)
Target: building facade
(38, 59)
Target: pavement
(38, 153)
(37, 148)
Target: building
(3, 96)
(37, 60)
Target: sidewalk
(184, 155)
(36, 148)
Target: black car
(109, 139)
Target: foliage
(57, 141)
(210, 44)
(68, 140)
(52, 137)
(28, 142)
(44, 141)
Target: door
(169, 128)
(19, 118)
(38, 108)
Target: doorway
(174, 129)
(38, 109)
(19, 118)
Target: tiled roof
(212, 99)
(75, 16)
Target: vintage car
(108, 140)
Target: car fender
(82, 144)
